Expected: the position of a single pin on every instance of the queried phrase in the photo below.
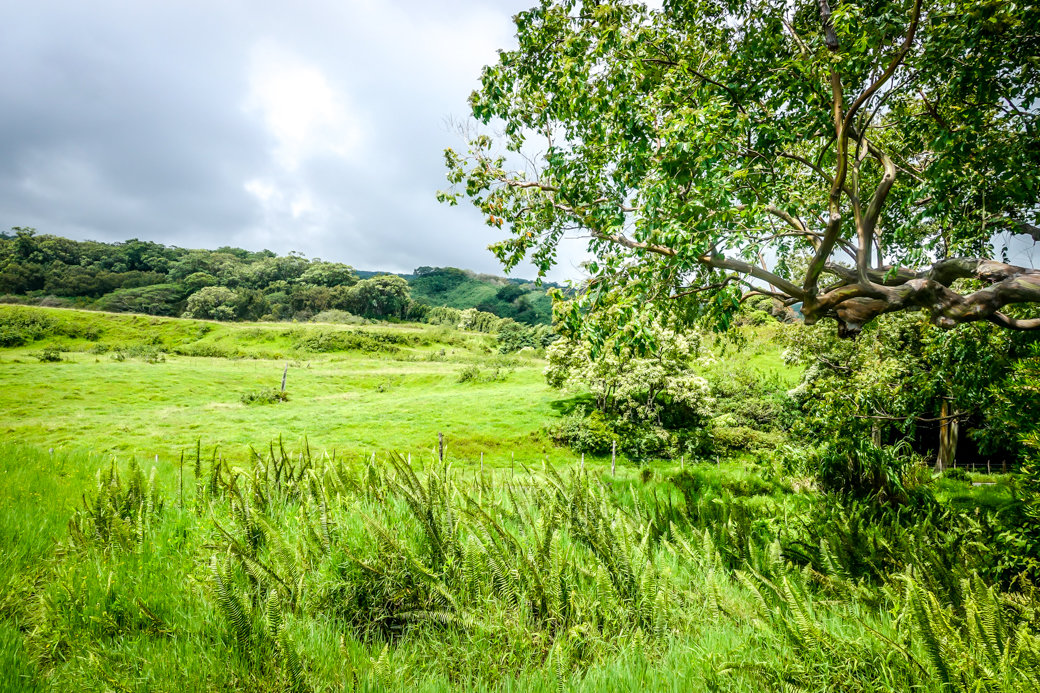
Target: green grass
(376, 575)
(367, 577)
(353, 402)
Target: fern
(232, 608)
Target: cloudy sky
(315, 126)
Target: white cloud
(303, 112)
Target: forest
(236, 284)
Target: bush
(340, 317)
(145, 352)
(265, 396)
(956, 474)
(583, 433)
(641, 441)
(444, 315)
(865, 470)
(351, 340)
(20, 326)
(49, 355)
(730, 439)
(475, 374)
(209, 350)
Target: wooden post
(481, 466)
(440, 446)
(582, 467)
(285, 374)
(181, 494)
(613, 456)
(682, 463)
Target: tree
(381, 296)
(905, 380)
(329, 274)
(212, 302)
(856, 159)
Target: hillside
(235, 284)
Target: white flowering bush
(649, 388)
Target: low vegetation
(722, 546)
(298, 572)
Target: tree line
(236, 284)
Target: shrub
(209, 350)
(956, 474)
(443, 315)
(145, 352)
(49, 355)
(351, 340)
(730, 439)
(476, 374)
(866, 470)
(215, 302)
(265, 396)
(20, 326)
(340, 317)
(583, 433)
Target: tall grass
(296, 572)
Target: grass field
(326, 562)
(353, 402)
(108, 395)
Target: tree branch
(889, 71)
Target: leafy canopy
(857, 159)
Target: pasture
(160, 533)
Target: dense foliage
(300, 573)
(235, 284)
(857, 158)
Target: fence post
(440, 446)
(285, 374)
(613, 456)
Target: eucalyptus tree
(860, 158)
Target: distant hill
(235, 284)
(518, 299)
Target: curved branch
(889, 71)
(855, 306)
(715, 260)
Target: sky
(316, 126)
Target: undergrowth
(296, 572)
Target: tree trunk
(949, 431)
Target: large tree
(858, 157)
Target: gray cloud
(316, 127)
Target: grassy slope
(472, 292)
(352, 402)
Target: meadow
(158, 533)
(134, 385)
